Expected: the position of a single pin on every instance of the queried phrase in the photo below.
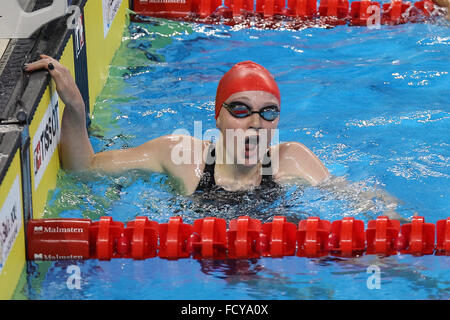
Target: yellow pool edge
(101, 41)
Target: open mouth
(251, 144)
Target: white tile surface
(3, 45)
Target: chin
(248, 161)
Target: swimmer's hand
(76, 149)
(441, 3)
(444, 4)
(363, 199)
(65, 84)
(389, 201)
(77, 154)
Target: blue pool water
(372, 104)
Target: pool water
(372, 104)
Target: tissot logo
(45, 140)
(79, 36)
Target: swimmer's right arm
(75, 147)
(363, 198)
(445, 4)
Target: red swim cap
(245, 76)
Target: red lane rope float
(55, 239)
(361, 12)
(334, 8)
(312, 237)
(301, 8)
(347, 237)
(426, 7)
(142, 236)
(278, 238)
(104, 235)
(331, 12)
(382, 236)
(173, 239)
(244, 238)
(208, 238)
(417, 237)
(443, 237)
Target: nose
(255, 121)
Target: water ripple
(424, 116)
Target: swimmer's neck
(239, 172)
(236, 173)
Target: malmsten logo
(42, 229)
(42, 256)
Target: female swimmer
(247, 109)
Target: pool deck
(3, 45)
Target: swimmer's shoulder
(193, 172)
(176, 148)
(182, 158)
(297, 162)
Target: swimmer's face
(247, 139)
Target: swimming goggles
(241, 110)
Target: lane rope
(294, 14)
(209, 238)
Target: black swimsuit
(207, 181)
(260, 202)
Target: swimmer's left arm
(441, 3)
(445, 4)
(362, 197)
(300, 162)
